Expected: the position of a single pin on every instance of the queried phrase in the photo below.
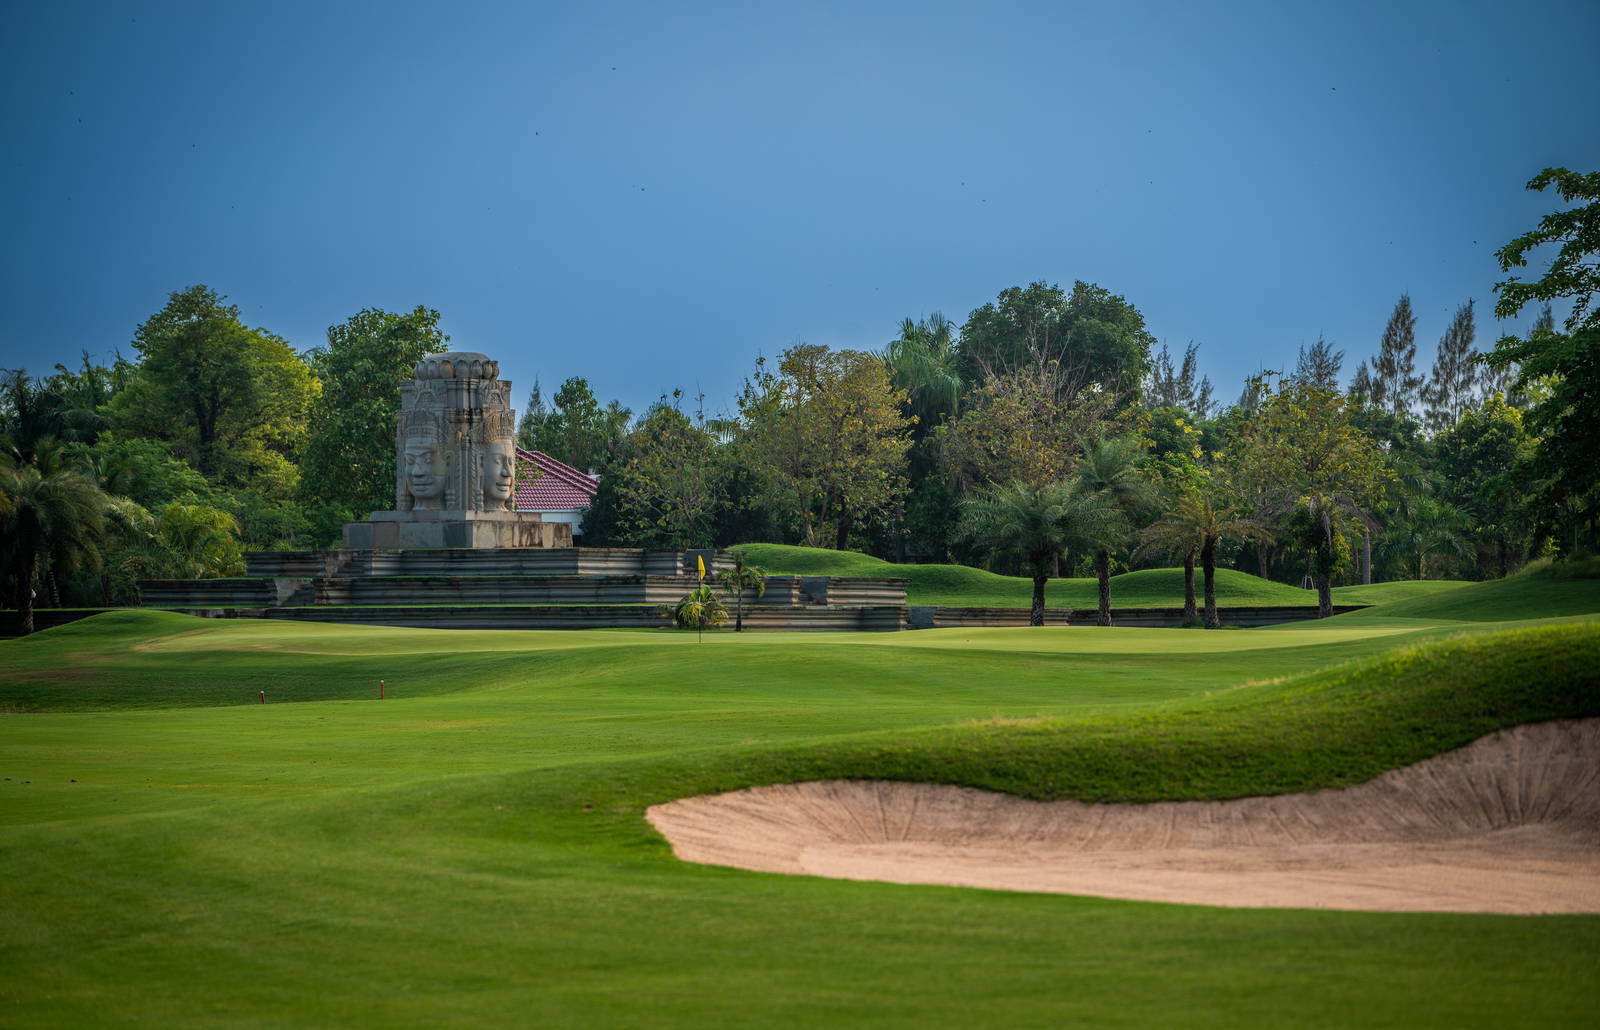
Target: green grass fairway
(963, 586)
(472, 851)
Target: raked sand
(1510, 823)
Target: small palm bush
(700, 609)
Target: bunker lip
(1507, 824)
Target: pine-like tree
(1452, 386)
(1361, 386)
(533, 418)
(1179, 386)
(1318, 365)
(1394, 370)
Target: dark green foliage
(577, 431)
(1566, 364)
(230, 399)
(348, 464)
(1096, 336)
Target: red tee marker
(380, 690)
(263, 697)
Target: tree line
(1045, 435)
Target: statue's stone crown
(457, 365)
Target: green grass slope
(472, 851)
(962, 586)
(1545, 592)
(1396, 590)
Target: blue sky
(649, 195)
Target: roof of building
(558, 487)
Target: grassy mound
(963, 586)
(1397, 590)
(1542, 592)
(1329, 728)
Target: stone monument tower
(455, 464)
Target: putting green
(472, 850)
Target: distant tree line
(1045, 435)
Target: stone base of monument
(474, 529)
(516, 588)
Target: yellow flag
(700, 560)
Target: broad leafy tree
(1024, 425)
(1301, 444)
(233, 400)
(1567, 419)
(667, 485)
(577, 429)
(829, 436)
(1095, 336)
(349, 458)
(1484, 464)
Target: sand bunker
(1510, 823)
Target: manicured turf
(1541, 592)
(472, 851)
(962, 586)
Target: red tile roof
(558, 487)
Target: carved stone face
(499, 469)
(423, 475)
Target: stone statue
(455, 464)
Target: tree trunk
(53, 586)
(1208, 564)
(1263, 558)
(1189, 615)
(105, 589)
(1324, 595)
(1500, 547)
(1102, 568)
(1420, 560)
(25, 603)
(842, 538)
(1366, 557)
(1036, 613)
(738, 610)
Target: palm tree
(1434, 529)
(1178, 533)
(1035, 524)
(54, 518)
(1110, 469)
(1198, 522)
(923, 363)
(743, 576)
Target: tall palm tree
(741, 577)
(1197, 522)
(1035, 524)
(54, 517)
(923, 363)
(1110, 469)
